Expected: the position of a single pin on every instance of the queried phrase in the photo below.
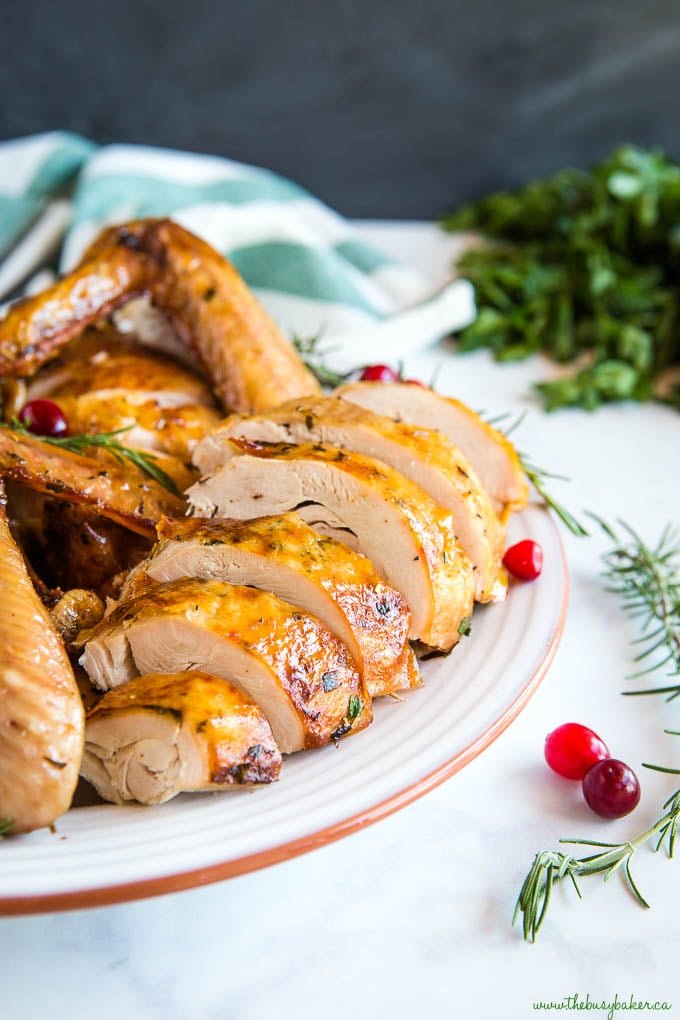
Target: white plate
(105, 854)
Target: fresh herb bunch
(647, 579)
(146, 462)
(584, 268)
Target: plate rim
(146, 888)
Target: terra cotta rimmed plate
(106, 854)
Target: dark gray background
(388, 108)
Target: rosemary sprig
(146, 462)
(552, 866)
(5, 825)
(308, 347)
(647, 579)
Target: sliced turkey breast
(490, 453)
(41, 714)
(163, 734)
(300, 674)
(427, 457)
(285, 556)
(365, 504)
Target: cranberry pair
(610, 788)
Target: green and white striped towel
(307, 264)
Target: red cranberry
(611, 788)
(571, 749)
(524, 560)
(379, 373)
(43, 417)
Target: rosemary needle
(537, 476)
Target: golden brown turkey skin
(34, 329)
(105, 360)
(248, 360)
(103, 382)
(41, 713)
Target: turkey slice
(370, 506)
(300, 674)
(426, 457)
(162, 734)
(491, 454)
(285, 556)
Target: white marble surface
(411, 917)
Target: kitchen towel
(306, 263)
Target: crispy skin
(41, 714)
(122, 493)
(174, 431)
(104, 382)
(163, 734)
(102, 359)
(246, 357)
(36, 328)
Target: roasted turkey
(301, 676)
(41, 713)
(327, 531)
(490, 453)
